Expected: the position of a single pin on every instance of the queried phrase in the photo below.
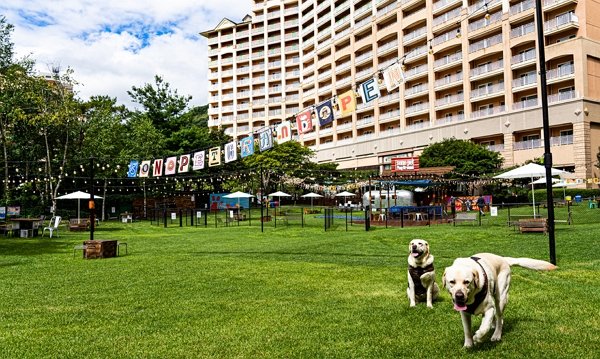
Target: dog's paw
(478, 337)
(429, 305)
(496, 337)
(413, 304)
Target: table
(105, 248)
(26, 227)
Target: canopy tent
(312, 196)
(238, 195)
(530, 170)
(78, 195)
(542, 180)
(564, 186)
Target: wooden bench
(78, 225)
(466, 217)
(533, 225)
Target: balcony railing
(562, 71)
(485, 43)
(417, 107)
(560, 21)
(415, 89)
(456, 57)
(487, 90)
(483, 69)
(443, 3)
(415, 34)
(488, 111)
(447, 36)
(417, 51)
(528, 79)
(523, 57)
(416, 126)
(449, 119)
(528, 144)
(563, 96)
(449, 100)
(522, 6)
(561, 140)
(522, 30)
(447, 80)
(417, 70)
(532, 102)
(447, 16)
(479, 24)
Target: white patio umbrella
(238, 195)
(345, 194)
(312, 196)
(542, 180)
(279, 194)
(530, 170)
(77, 195)
(564, 185)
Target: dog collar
(415, 274)
(479, 297)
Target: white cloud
(103, 41)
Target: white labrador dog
(421, 275)
(479, 285)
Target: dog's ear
(444, 280)
(475, 278)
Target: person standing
(481, 205)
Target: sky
(113, 45)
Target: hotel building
(470, 67)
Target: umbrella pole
(533, 196)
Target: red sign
(405, 164)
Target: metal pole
(92, 205)
(546, 125)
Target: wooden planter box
(99, 249)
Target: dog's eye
(466, 282)
(452, 281)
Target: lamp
(430, 47)
(487, 13)
(458, 34)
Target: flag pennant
(133, 168)
(304, 121)
(230, 152)
(199, 160)
(393, 77)
(247, 146)
(157, 167)
(265, 139)
(184, 163)
(284, 132)
(325, 112)
(347, 102)
(214, 157)
(369, 90)
(171, 166)
(145, 169)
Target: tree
(6, 45)
(468, 158)
(161, 105)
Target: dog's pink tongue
(415, 254)
(460, 308)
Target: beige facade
(471, 72)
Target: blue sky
(113, 45)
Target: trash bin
(578, 198)
(568, 198)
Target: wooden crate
(100, 249)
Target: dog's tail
(530, 263)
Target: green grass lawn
(287, 292)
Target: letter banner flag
(393, 77)
(284, 132)
(184, 163)
(325, 113)
(214, 157)
(304, 121)
(199, 160)
(230, 152)
(145, 169)
(369, 90)
(133, 168)
(347, 102)
(157, 167)
(265, 139)
(171, 166)
(247, 146)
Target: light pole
(546, 126)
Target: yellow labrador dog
(479, 285)
(421, 275)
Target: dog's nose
(459, 295)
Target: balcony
(363, 73)
(448, 81)
(363, 10)
(417, 109)
(521, 105)
(527, 81)
(487, 91)
(485, 43)
(388, 9)
(525, 58)
(563, 96)
(447, 60)
(561, 140)
(561, 22)
(442, 5)
(415, 91)
(394, 96)
(488, 69)
(449, 119)
(388, 47)
(390, 115)
(450, 35)
(363, 58)
(522, 30)
(484, 5)
(549, 5)
(416, 126)
(480, 24)
(564, 72)
(522, 7)
(447, 17)
(528, 144)
(416, 52)
(415, 35)
(490, 111)
(415, 71)
(449, 101)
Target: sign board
(494, 211)
(405, 164)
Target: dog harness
(479, 297)
(415, 274)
